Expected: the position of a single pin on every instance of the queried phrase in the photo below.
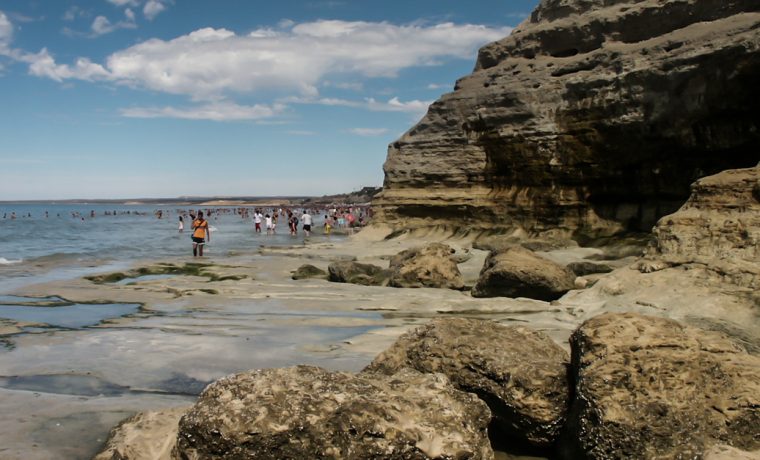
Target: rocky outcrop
(307, 271)
(357, 273)
(583, 268)
(649, 387)
(518, 272)
(719, 226)
(429, 266)
(521, 373)
(309, 413)
(723, 452)
(144, 436)
(591, 117)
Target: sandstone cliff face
(719, 226)
(592, 117)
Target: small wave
(4, 261)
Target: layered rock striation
(719, 226)
(310, 413)
(592, 117)
(519, 372)
(650, 387)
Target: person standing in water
(181, 224)
(200, 234)
(306, 219)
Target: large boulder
(521, 373)
(648, 387)
(719, 226)
(144, 436)
(428, 266)
(518, 272)
(591, 117)
(307, 271)
(357, 273)
(309, 413)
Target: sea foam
(4, 261)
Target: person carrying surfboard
(201, 234)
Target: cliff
(592, 117)
(719, 227)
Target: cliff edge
(592, 117)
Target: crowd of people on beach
(76, 214)
(345, 219)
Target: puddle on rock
(66, 384)
(58, 312)
(137, 279)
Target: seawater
(162, 353)
(36, 244)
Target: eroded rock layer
(519, 372)
(719, 226)
(307, 412)
(592, 117)
(649, 387)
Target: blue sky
(167, 98)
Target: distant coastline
(363, 195)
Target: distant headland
(361, 196)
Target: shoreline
(192, 330)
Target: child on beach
(269, 224)
(328, 224)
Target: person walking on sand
(201, 234)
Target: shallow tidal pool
(58, 312)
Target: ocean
(53, 241)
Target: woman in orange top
(200, 234)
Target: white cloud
(6, 33)
(437, 86)
(42, 64)
(415, 106)
(219, 111)
(153, 8)
(101, 25)
(353, 86)
(73, 12)
(124, 2)
(395, 105)
(209, 64)
(368, 131)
